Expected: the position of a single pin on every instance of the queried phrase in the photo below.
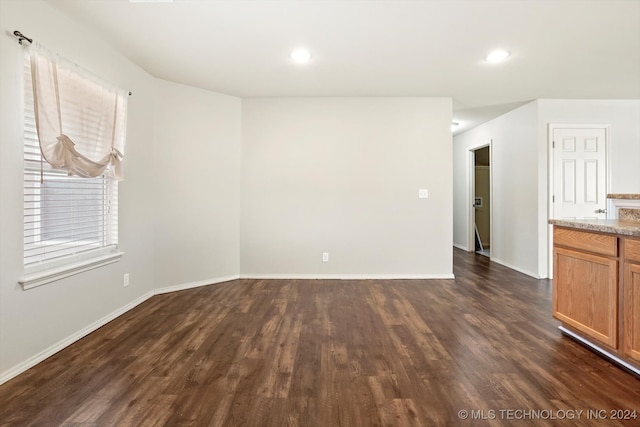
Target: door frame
(471, 242)
(551, 127)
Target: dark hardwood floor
(331, 353)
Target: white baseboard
(34, 360)
(513, 267)
(459, 246)
(197, 284)
(348, 276)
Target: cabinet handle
(601, 211)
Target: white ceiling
(560, 49)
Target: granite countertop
(624, 196)
(613, 226)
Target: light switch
(423, 193)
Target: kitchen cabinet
(596, 283)
(585, 291)
(631, 299)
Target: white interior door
(579, 173)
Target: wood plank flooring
(330, 353)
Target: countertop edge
(625, 228)
(625, 196)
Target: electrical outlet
(423, 193)
(325, 256)
(126, 280)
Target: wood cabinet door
(631, 310)
(585, 294)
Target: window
(70, 222)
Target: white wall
(318, 175)
(335, 175)
(32, 321)
(514, 193)
(341, 175)
(178, 204)
(521, 138)
(623, 118)
(197, 170)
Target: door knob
(601, 211)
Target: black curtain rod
(21, 37)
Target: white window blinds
(67, 217)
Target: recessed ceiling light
(301, 56)
(454, 126)
(496, 56)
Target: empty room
(319, 213)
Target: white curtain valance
(81, 121)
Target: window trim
(52, 274)
(53, 269)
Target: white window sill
(40, 278)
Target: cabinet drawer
(632, 249)
(592, 242)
